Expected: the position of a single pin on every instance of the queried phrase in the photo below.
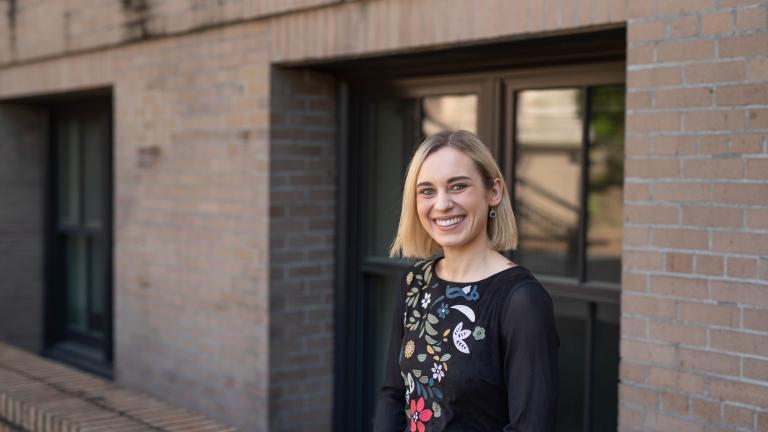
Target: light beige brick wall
(191, 168)
(77, 25)
(695, 303)
(212, 151)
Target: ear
(495, 193)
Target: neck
(468, 261)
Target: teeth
(449, 222)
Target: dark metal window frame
(92, 355)
(573, 60)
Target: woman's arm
(530, 359)
(390, 408)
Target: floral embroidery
(419, 415)
(436, 410)
(459, 334)
(409, 347)
(423, 318)
(443, 311)
(425, 300)
(437, 372)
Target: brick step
(37, 394)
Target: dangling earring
(492, 213)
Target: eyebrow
(450, 180)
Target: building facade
(197, 196)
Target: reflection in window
(606, 178)
(449, 112)
(547, 184)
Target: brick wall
(22, 140)
(301, 240)
(191, 222)
(81, 25)
(694, 324)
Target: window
(557, 133)
(78, 309)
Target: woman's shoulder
(420, 272)
(522, 290)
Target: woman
(474, 345)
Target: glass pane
(548, 173)
(382, 295)
(97, 288)
(606, 178)
(605, 382)
(571, 318)
(94, 142)
(69, 172)
(77, 283)
(449, 112)
(392, 130)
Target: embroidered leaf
(445, 333)
(430, 329)
(430, 391)
(466, 311)
(421, 357)
(416, 373)
(445, 357)
(445, 366)
(437, 348)
(430, 350)
(432, 319)
(436, 358)
(430, 340)
(438, 393)
(416, 313)
(424, 379)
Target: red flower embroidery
(419, 415)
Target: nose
(443, 202)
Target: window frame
(90, 354)
(496, 123)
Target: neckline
(447, 282)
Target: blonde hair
(412, 241)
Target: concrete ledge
(40, 395)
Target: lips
(448, 222)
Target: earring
(492, 214)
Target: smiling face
(452, 200)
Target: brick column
(22, 142)
(301, 250)
(694, 345)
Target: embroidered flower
(443, 311)
(419, 415)
(409, 347)
(437, 372)
(479, 333)
(425, 301)
(409, 278)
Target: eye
(458, 186)
(427, 191)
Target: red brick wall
(301, 250)
(694, 329)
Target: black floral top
(478, 356)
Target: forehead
(446, 163)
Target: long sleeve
(390, 407)
(530, 360)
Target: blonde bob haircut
(412, 241)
